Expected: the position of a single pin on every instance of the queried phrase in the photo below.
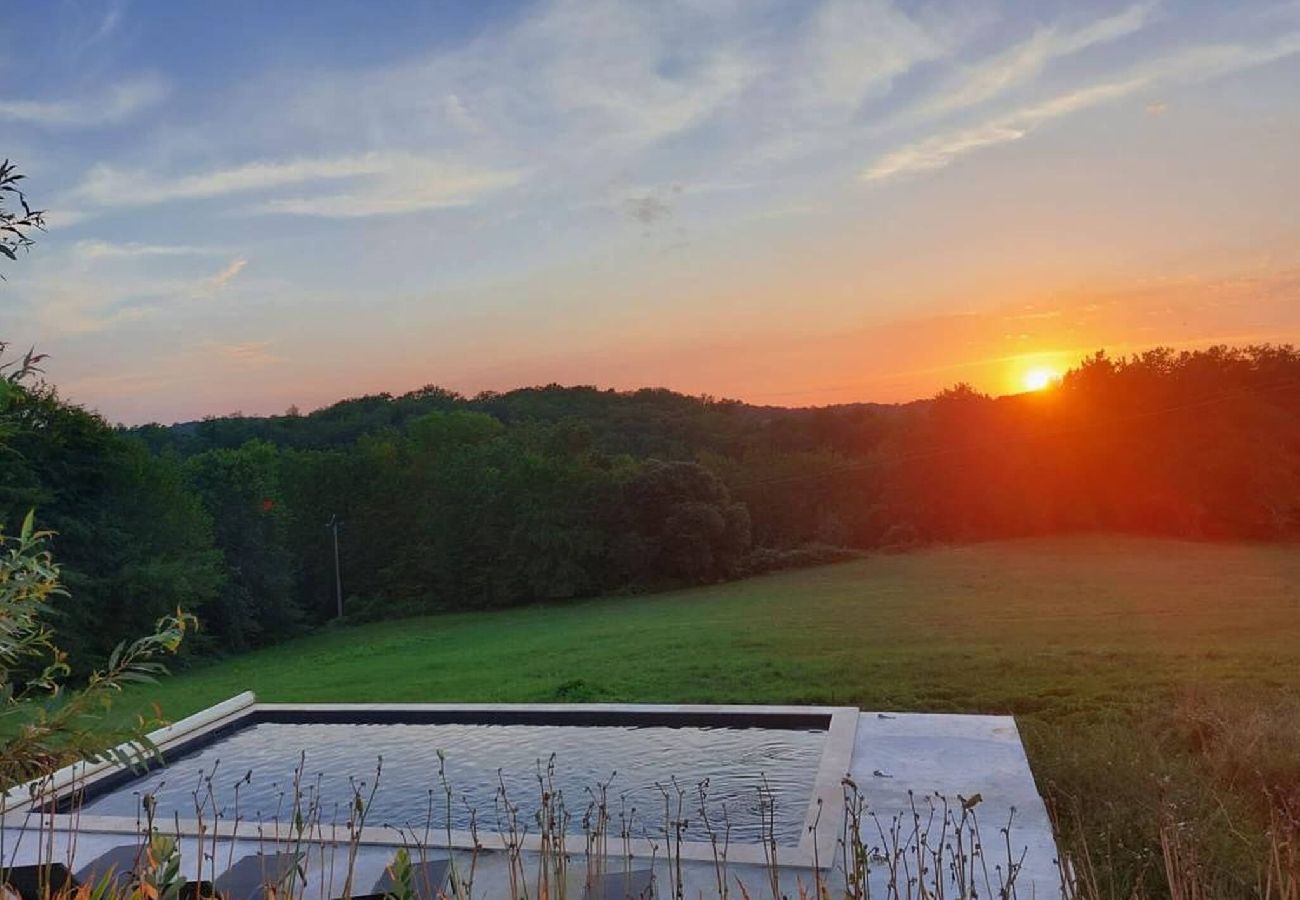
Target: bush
(770, 559)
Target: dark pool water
(736, 762)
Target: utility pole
(333, 525)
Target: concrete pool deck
(913, 770)
(902, 761)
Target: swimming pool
(773, 775)
(750, 775)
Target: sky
(256, 205)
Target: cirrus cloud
(359, 185)
(1025, 61)
(112, 106)
(1193, 64)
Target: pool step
(253, 875)
(119, 862)
(637, 884)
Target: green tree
(240, 489)
(132, 539)
(686, 523)
(45, 724)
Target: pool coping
(823, 818)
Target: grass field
(1042, 628)
(1121, 656)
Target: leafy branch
(16, 226)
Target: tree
(240, 490)
(686, 522)
(132, 538)
(45, 724)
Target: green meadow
(1153, 680)
(1051, 630)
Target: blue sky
(253, 205)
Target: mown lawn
(1154, 681)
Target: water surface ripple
(340, 756)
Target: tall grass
(1199, 798)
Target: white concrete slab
(906, 764)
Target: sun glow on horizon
(1040, 378)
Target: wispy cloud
(940, 150)
(659, 106)
(1200, 63)
(109, 186)
(601, 66)
(1024, 62)
(89, 30)
(228, 274)
(410, 185)
(853, 50)
(67, 307)
(98, 249)
(844, 57)
(581, 86)
(1187, 66)
(76, 299)
(459, 114)
(112, 106)
(373, 184)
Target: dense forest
(451, 502)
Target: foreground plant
(46, 724)
(16, 225)
(935, 849)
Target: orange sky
(787, 203)
(899, 360)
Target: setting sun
(1040, 378)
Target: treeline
(450, 502)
